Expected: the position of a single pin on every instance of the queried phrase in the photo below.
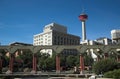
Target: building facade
(55, 34)
(104, 41)
(115, 36)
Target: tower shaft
(83, 31)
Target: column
(98, 57)
(57, 63)
(118, 58)
(11, 63)
(0, 64)
(34, 70)
(105, 55)
(81, 64)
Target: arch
(59, 48)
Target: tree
(5, 59)
(26, 56)
(50, 63)
(77, 62)
(71, 60)
(62, 60)
(104, 65)
(45, 62)
(88, 60)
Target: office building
(55, 34)
(104, 41)
(115, 36)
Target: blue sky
(21, 19)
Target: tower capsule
(83, 17)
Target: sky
(21, 19)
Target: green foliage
(45, 62)
(104, 65)
(116, 74)
(50, 63)
(118, 65)
(113, 74)
(77, 62)
(26, 57)
(5, 59)
(108, 74)
(2, 52)
(88, 60)
(70, 60)
(62, 60)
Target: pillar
(105, 55)
(98, 58)
(81, 64)
(118, 58)
(0, 64)
(34, 61)
(57, 63)
(83, 31)
(11, 63)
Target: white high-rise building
(55, 34)
(115, 36)
(104, 41)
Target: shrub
(104, 65)
(116, 74)
(108, 74)
(113, 74)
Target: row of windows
(59, 34)
(39, 43)
(48, 35)
(59, 39)
(65, 41)
(59, 42)
(39, 36)
(41, 39)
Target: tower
(83, 17)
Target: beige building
(115, 36)
(55, 34)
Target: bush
(113, 74)
(104, 65)
(116, 74)
(108, 74)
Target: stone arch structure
(58, 49)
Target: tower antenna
(83, 10)
(82, 7)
